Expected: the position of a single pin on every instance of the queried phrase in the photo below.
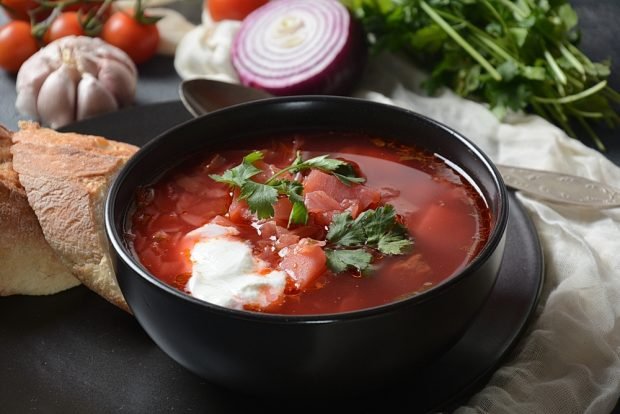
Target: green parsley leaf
(340, 260)
(260, 198)
(294, 191)
(239, 175)
(376, 229)
(340, 169)
(299, 214)
(322, 162)
(344, 231)
(380, 222)
(392, 244)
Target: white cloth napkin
(568, 361)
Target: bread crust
(66, 177)
(29, 265)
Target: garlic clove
(28, 85)
(93, 98)
(172, 27)
(86, 63)
(56, 101)
(105, 52)
(117, 79)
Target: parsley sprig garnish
(350, 242)
(338, 168)
(262, 196)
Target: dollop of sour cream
(225, 273)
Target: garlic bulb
(73, 78)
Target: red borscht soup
(311, 223)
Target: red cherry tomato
(16, 45)
(232, 9)
(18, 9)
(137, 39)
(66, 24)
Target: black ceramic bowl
(265, 353)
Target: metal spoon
(201, 96)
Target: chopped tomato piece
(304, 262)
(444, 226)
(319, 201)
(367, 197)
(320, 181)
(282, 210)
(333, 187)
(285, 240)
(313, 230)
(168, 222)
(239, 211)
(268, 230)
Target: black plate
(74, 352)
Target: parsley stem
(494, 47)
(496, 15)
(278, 174)
(516, 10)
(573, 60)
(560, 117)
(585, 114)
(460, 41)
(578, 53)
(591, 133)
(573, 98)
(555, 68)
(612, 94)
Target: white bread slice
(28, 265)
(66, 177)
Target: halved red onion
(292, 47)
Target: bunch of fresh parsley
(350, 242)
(513, 54)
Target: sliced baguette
(28, 265)
(66, 177)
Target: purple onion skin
(339, 78)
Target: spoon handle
(561, 188)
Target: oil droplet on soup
(447, 219)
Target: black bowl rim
(131, 261)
